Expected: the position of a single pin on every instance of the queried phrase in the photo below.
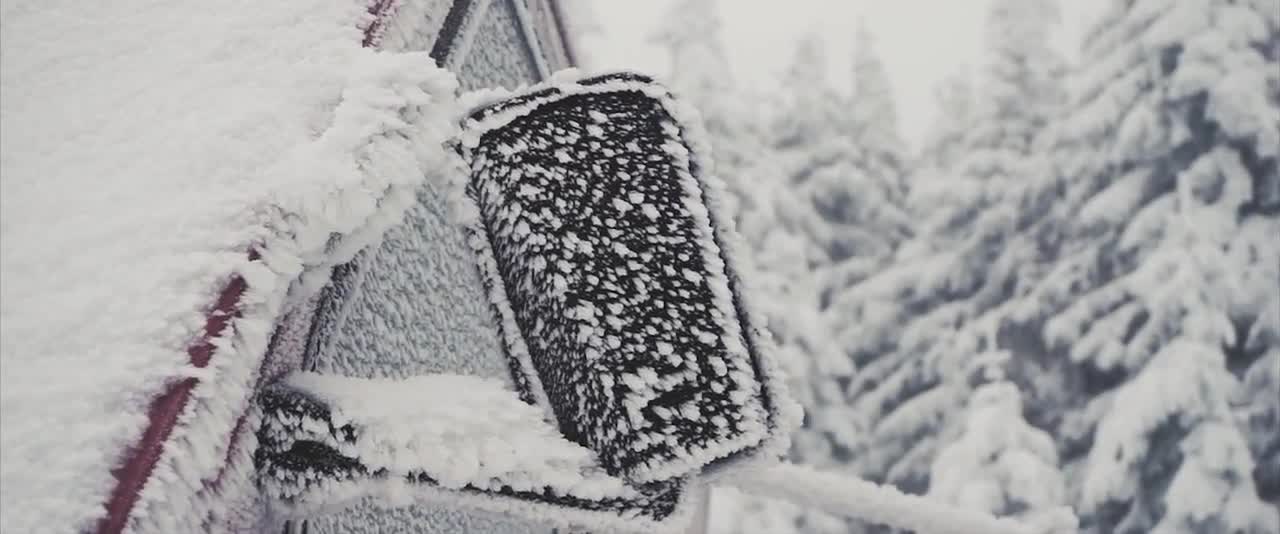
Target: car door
(415, 303)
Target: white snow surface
(466, 433)
(884, 505)
(460, 430)
(145, 148)
(999, 462)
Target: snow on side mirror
(638, 367)
(328, 441)
(596, 223)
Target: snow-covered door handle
(328, 441)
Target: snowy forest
(325, 266)
(1067, 296)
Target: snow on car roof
(146, 148)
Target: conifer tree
(1164, 290)
(920, 328)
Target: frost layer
(605, 263)
(329, 440)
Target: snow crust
(462, 431)
(440, 440)
(137, 176)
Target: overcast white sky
(921, 41)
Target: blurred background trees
(1067, 295)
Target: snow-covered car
(284, 327)
(228, 143)
(267, 268)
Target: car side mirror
(598, 229)
(598, 232)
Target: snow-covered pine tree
(771, 217)
(873, 113)
(1167, 279)
(917, 327)
(869, 319)
(844, 158)
(805, 143)
(810, 101)
(864, 191)
(931, 165)
(1259, 401)
(943, 144)
(1006, 163)
(699, 73)
(1000, 464)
